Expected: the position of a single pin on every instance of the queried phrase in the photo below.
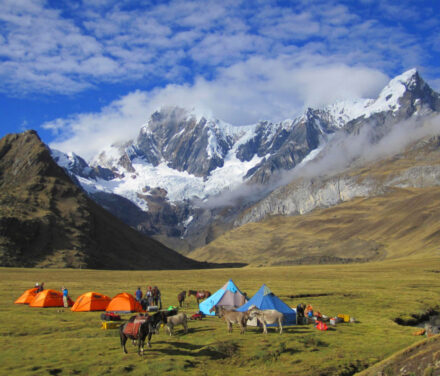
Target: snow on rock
(224, 141)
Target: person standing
(138, 294)
(149, 296)
(65, 297)
(156, 297)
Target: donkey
(138, 328)
(179, 319)
(267, 316)
(234, 317)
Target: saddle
(132, 328)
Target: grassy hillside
(56, 341)
(400, 222)
(47, 221)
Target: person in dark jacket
(138, 294)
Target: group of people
(152, 297)
(40, 287)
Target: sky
(88, 74)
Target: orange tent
(49, 298)
(124, 303)
(27, 296)
(91, 301)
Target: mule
(234, 317)
(267, 316)
(140, 327)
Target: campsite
(57, 341)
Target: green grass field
(56, 341)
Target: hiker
(39, 287)
(300, 310)
(149, 296)
(65, 297)
(138, 294)
(157, 297)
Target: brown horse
(140, 327)
(181, 298)
(199, 295)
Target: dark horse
(199, 295)
(181, 298)
(139, 327)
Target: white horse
(267, 316)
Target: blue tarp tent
(265, 299)
(229, 296)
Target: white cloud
(258, 89)
(110, 41)
(88, 133)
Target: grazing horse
(181, 298)
(139, 327)
(199, 295)
(267, 316)
(234, 317)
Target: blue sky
(85, 74)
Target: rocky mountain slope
(48, 221)
(384, 209)
(186, 179)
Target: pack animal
(267, 316)
(234, 317)
(181, 298)
(139, 328)
(179, 319)
(199, 295)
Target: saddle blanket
(132, 328)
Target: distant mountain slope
(401, 223)
(186, 179)
(47, 221)
(397, 216)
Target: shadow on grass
(215, 351)
(274, 330)
(198, 330)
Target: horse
(138, 328)
(199, 295)
(267, 316)
(179, 319)
(234, 317)
(181, 298)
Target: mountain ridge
(194, 169)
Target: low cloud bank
(244, 93)
(341, 152)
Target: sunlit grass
(56, 341)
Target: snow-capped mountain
(180, 160)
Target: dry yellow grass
(399, 224)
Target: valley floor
(57, 341)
